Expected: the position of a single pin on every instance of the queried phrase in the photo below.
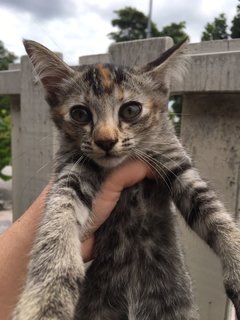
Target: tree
(6, 57)
(5, 135)
(175, 31)
(216, 30)
(132, 25)
(235, 29)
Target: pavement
(5, 220)
(5, 200)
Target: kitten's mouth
(109, 155)
(110, 160)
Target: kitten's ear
(171, 64)
(51, 70)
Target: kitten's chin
(110, 162)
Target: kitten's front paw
(44, 307)
(232, 287)
(233, 293)
(28, 309)
(54, 300)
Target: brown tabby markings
(106, 133)
(119, 93)
(105, 74)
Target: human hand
(122, 177)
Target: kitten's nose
(106, 145)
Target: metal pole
(149, 19)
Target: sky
(80, 27)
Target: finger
(127, 175)
(124, 176)
(87, 249)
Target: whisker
(178, 164)
(168, 169)
(137, 156)
(44, 138)
(34, 174)
(161, 164)
(39, 170)
(165, 156)
(127, 139)
(155, 166)
(22, 152)
(73, 167)
(151, 166)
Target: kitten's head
(107, 112)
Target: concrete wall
(33, 141)
(210, 131)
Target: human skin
(16, 242)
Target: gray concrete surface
(5, 200)
(5, 220)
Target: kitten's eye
(130, 111)
(81, 114)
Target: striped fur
(138, 272)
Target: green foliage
(5, 135)
(132, 25)
(235, 29)
(217, 30)
(175, 112)
(175, 31)
(6, 57)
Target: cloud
(42, 9)
(196, 18)
(80, 27)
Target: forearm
(15, 246)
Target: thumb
(122, 177)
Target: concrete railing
(210, 131)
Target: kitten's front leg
(56, 269)
(206, 215)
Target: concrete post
(33, 154)
(211, 132)
(138, 52)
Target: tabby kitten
(106, 114)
